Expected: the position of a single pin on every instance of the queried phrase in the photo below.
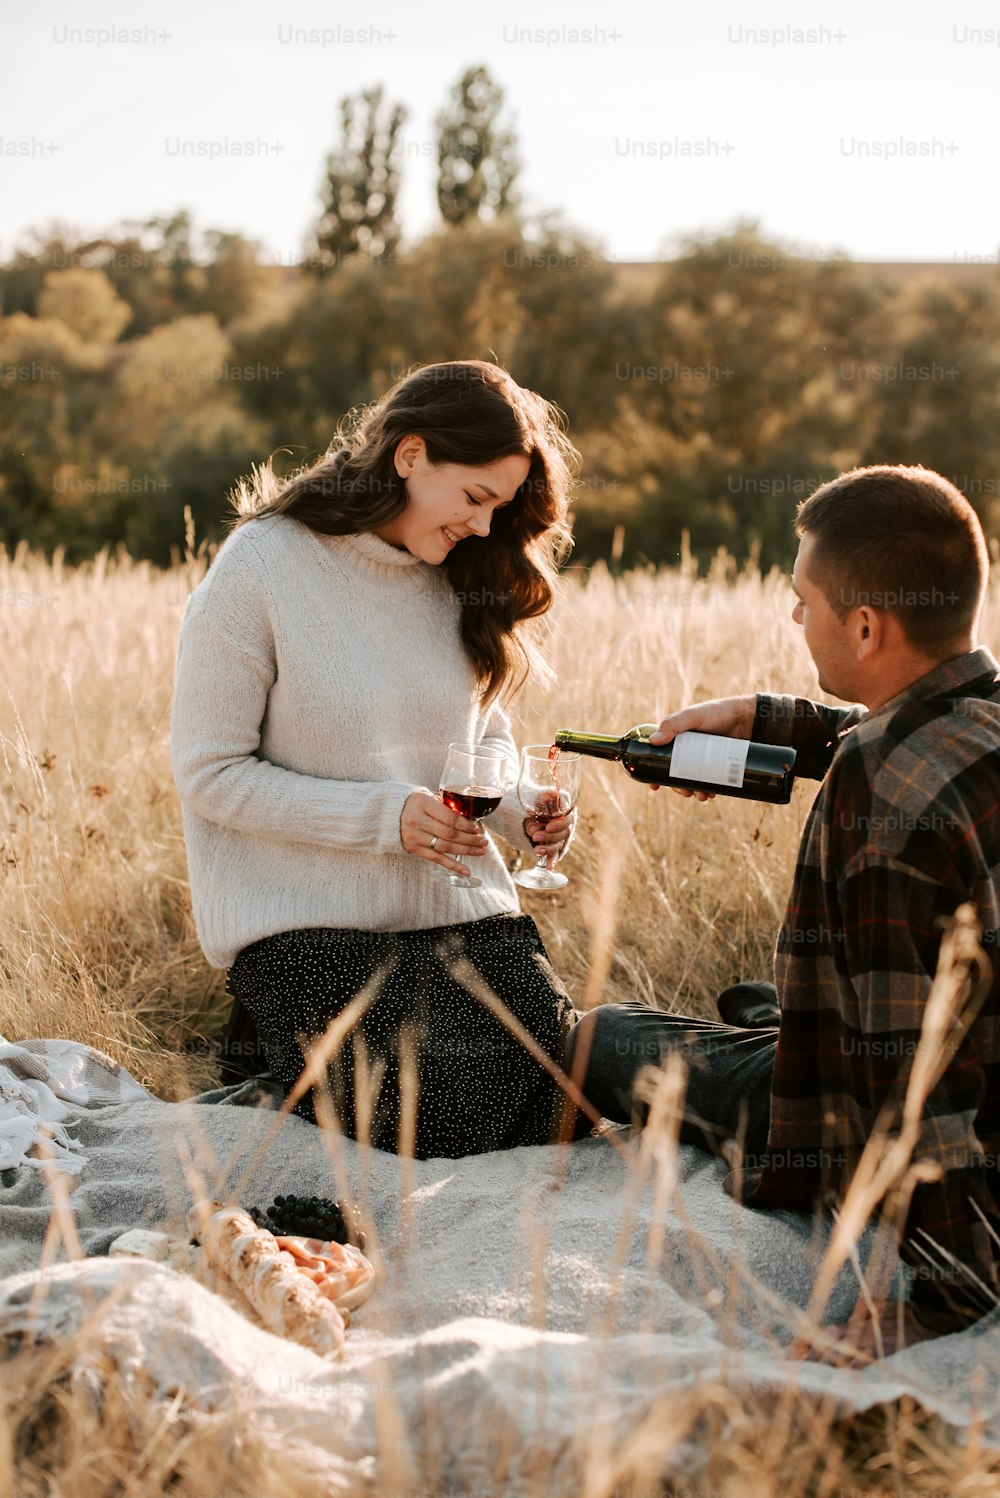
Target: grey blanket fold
(504, 1275)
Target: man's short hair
(900, 539)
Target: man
(889, 581)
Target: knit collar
(376, 551)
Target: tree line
(144, 370)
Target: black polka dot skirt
(478, 1086)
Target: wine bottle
(694, 761)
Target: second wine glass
(547, 787)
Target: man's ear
(868, 629)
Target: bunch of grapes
(311, 1217)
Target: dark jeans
(729, 1071)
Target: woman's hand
(553, 838)
(428, 829)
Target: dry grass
(669, 900)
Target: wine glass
(472, 783)
(547, 787)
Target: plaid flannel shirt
(906, 826)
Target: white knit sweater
(320, 680)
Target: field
(669, 900)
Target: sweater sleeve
(220, 698)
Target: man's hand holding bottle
(703, 751)
(729, 717)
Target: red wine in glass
(547, 807)
(548, 787)
(472, 784)
(472, 801)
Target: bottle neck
(600, 745)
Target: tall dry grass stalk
(669, 902)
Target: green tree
(86, 302)
(173, 249)
(477, 154)
(234, 280)
(362, 182)
(932, 383)
(39, 364)
(23, 276)
(176, 421)
(150, 263)
(738, 361)
(165, 379)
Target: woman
(361, 616)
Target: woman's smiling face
(448, 503)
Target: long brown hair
(468, 412)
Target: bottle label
(709, 758)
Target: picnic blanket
(533, 1307)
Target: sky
(859, 128)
